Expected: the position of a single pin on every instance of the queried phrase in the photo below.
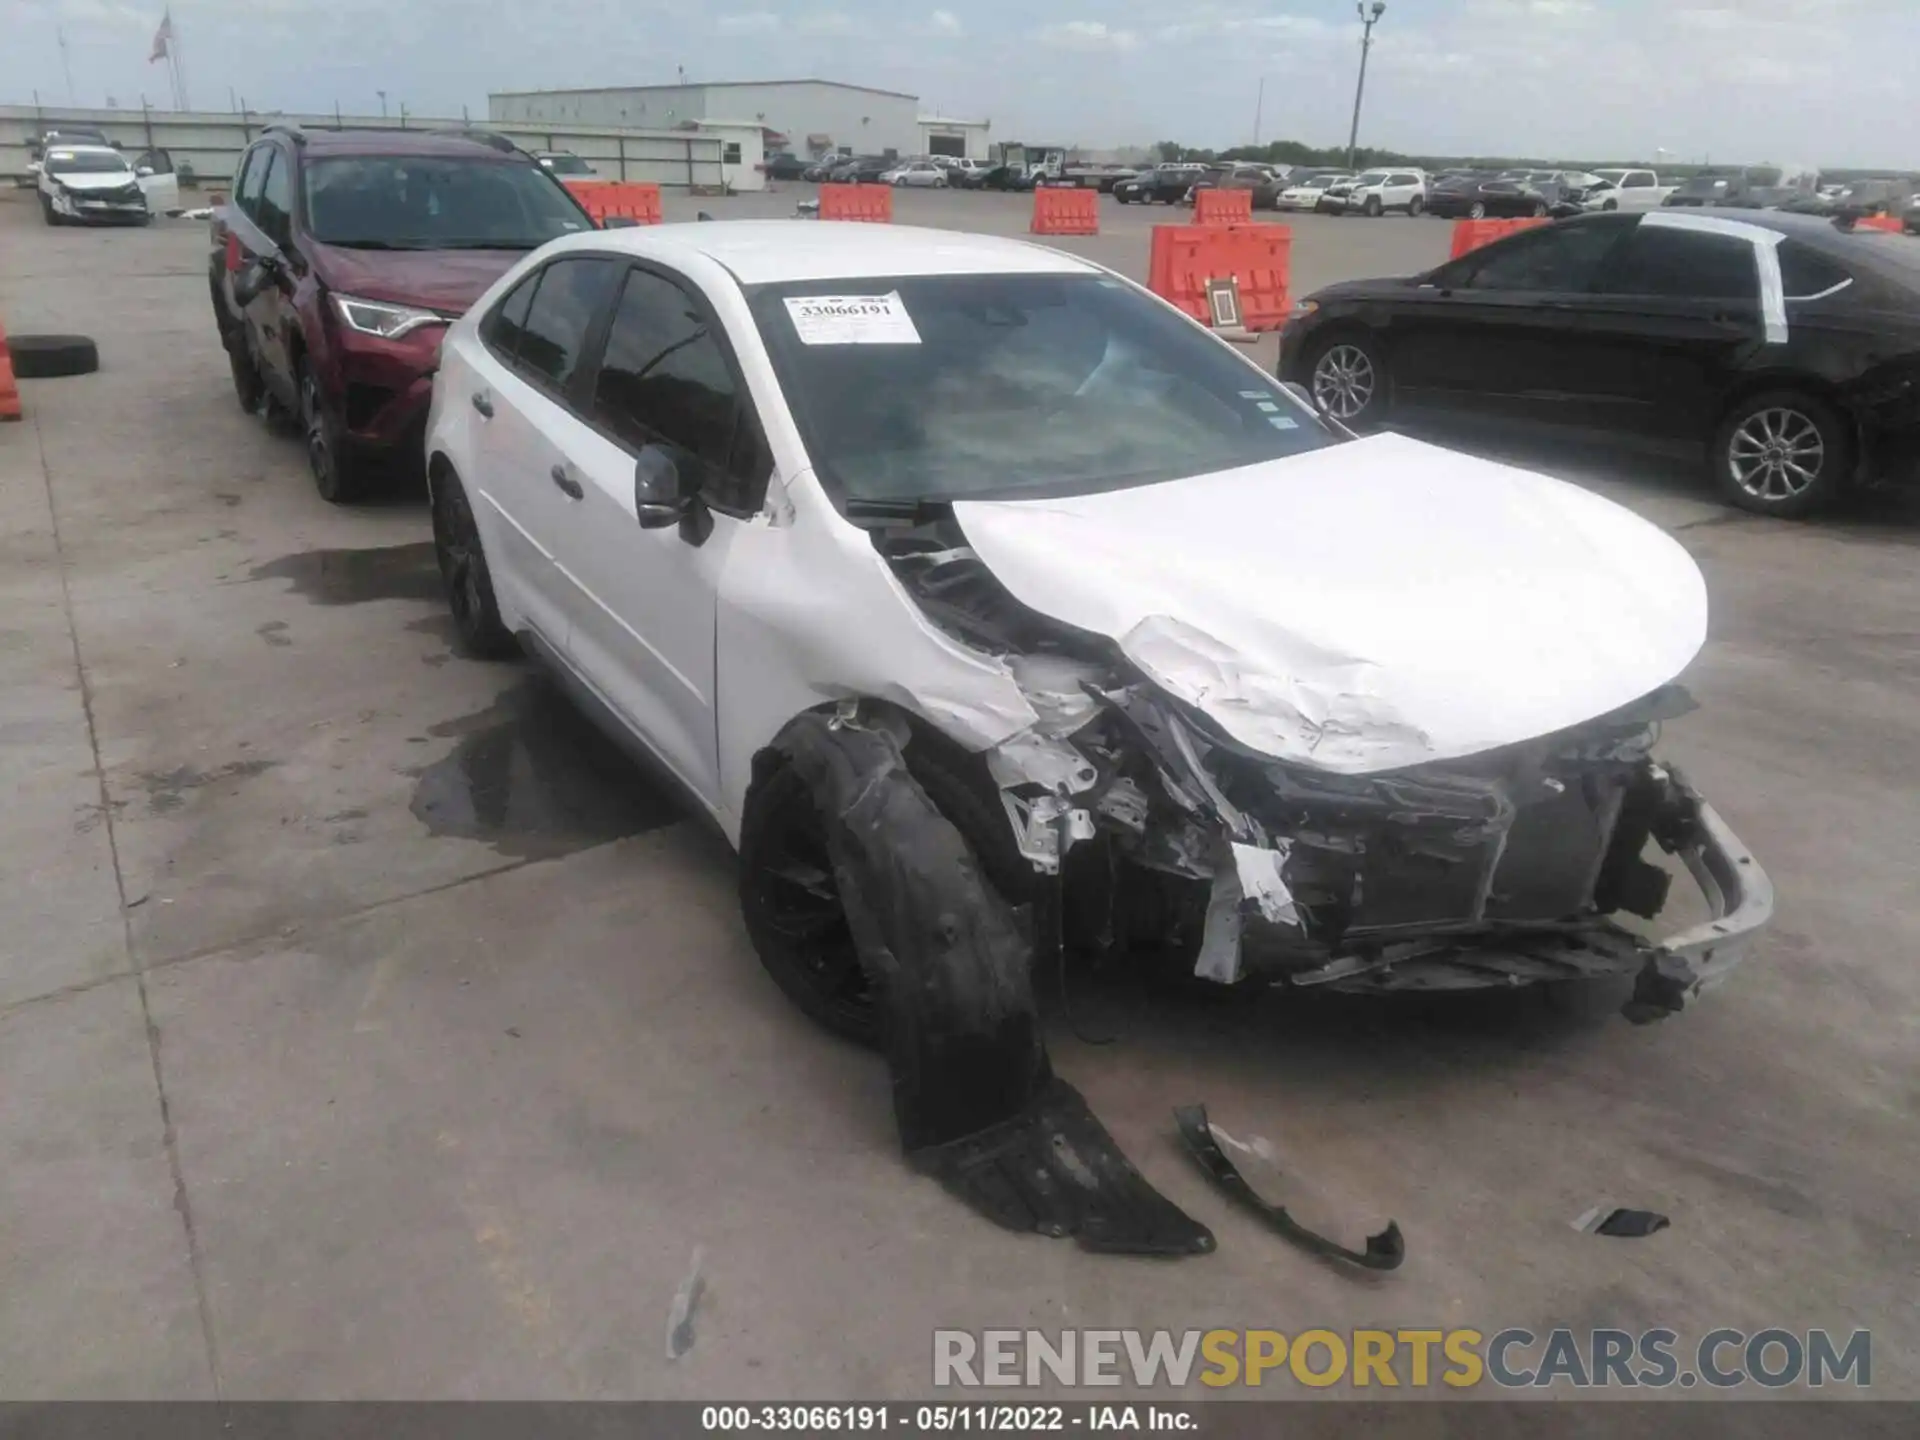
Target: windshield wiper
(488, 244)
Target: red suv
(340, 259)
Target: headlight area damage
(1505, 867)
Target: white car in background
(994, 511)
(1629, 190)
(918, 174)
(83, 184)
(1375, 192)
(1306, 191)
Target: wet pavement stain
(352, 577)
(167, 790)
(274, 632)
(532, 777)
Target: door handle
(483, 404)
(569, 486)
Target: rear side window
(1804, 271)
(571, 296)
(1685, 264)
(503, 328)
(665, 379)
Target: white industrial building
(808, 117)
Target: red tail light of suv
(339, 261)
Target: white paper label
(852, 320)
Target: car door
(665, 390)
(275, 319)
(1675, 312)
(160, 184)
(528, 372)
(249, 244)
(1489, 333)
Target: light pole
(1367, 21)
(383, 103)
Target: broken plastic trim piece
(974, 1094)
(1384, 1251)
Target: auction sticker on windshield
(852, 320)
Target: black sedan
(1473, 199)
(1786, 346)
(1167, 186)
(1004, 177)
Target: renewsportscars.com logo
(1460, 1359)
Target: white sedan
(1307, 193)
(921, 173)
(83, 184)
(1363, 713)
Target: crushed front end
(1519, 865)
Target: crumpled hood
(83, 181)
(1367, 606)
(447, 280)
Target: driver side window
(1557, 258)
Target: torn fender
(974, 1094)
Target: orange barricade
(1185, 257)
(9, 387)
(872, 203)
(1892, 224)
(630, 200)
(1222, 207)
(1066, 212)
(1472, 234)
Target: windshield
(73, 162)
(413, 202)
(567, 165)
(1008, 386)
(1373, 177)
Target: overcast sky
(1822, 81)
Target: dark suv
(337, 264)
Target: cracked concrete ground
(369, 1029)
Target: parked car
(1003, 177)
(917, 174)
(71, 135)
(84, 184)
(1859, 199)
(1305, 191)
(1483, 199)
(1167, 185)
(864, 170)
(338, 263)
(823, 168)
(1752, 187)
(762, 493)
(1635, 190)
(565, 165)
(1375, 192)
(1257, 180)
(965, 174)
(1912, 222)
(1780, 344)
(785, 165)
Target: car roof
(80, 147)
(401, 142)
(766, 252)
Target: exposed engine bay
(1510, 866)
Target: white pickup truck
(1626, 190)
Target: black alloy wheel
(477, 626)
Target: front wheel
(1373, 207)
(248, 386)
(1539, 210)
(1477, 210)
(47, 212)
(1610, 205)
(1785, 453)
(339, 477)
(1414, 207)
(1347, 379)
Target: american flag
(162, 38)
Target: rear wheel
(1477, 210)
(1415, 206)
(477, 626)
(1784, 453)
(1347, 379)
(248, 386)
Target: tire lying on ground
(44, 357)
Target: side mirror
(251, 282)
(660, 495)
(145, 172)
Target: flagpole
(179, 62)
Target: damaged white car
(1183, 668)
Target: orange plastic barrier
(1472, 234)
(872, 203)
(1892, 224)
(9, 387)
(1066, 212)
(630, 200)
(1185, 257)
(1223, 207)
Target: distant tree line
(1297, 153)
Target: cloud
(1207, 20)
(1087, 35)
(826, 22)
(944, 22)
(753, 22)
